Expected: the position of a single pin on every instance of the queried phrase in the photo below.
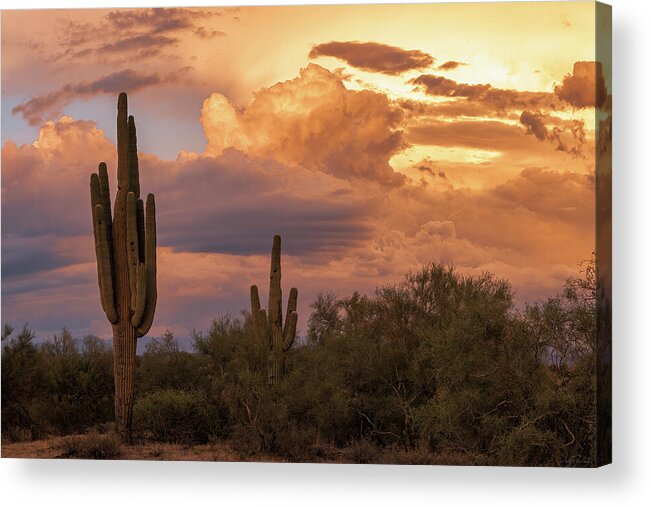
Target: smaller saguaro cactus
(269, 329)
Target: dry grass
(92, 446)
(105, 446)
(99, 446)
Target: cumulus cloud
(584, 87)
(129, 80)
(45, 201)
(217, 214)
(312, 122)
(374, 57)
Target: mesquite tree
(125, 246)
(270, 329)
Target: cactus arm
(134, 175)
(94, 201)
(292, 301)
(264, 329)
(150, 263)
(105, 275)
(255, 301)
(132, 248)
(140, 222)
(94, 193)
(141, 295)
(259, 325)
(290, 331)
(105, 201)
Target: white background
(626, 482)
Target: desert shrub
(92, 446)
(363, 451)
(78, 383)
(22, 385)
(173, 416)
(164, 366)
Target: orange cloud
(312, 122)
(374, 57)
(450, 65)
(534, 123)
(217, 213)
(486, 94)
(585, 87)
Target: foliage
(173, 416)
(440, 368)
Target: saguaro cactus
(125, 246)
(269, 329)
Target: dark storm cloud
(374, 57)
(234, 204)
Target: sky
(375, 139)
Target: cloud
(439, 85)
(234, 204)
(138, 33)
(486, 135)
(128, 80)
(534, 123)
(567, 135)
(216, 215)
(311, 122)
(150, 42)
(374, 57)
(155, 20)
(495, 98)
(585, 87)
(208, 33)
(450, 65)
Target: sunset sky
(374, 138)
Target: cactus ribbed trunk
(124, 374)
(270, 330)
(125, 245)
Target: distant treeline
(438, 365)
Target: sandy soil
(55, 448)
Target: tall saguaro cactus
(125, 246)
(269, 329)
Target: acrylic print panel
(431, 181)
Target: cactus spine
(125, 246)
(269, 329)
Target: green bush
(173, 416)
